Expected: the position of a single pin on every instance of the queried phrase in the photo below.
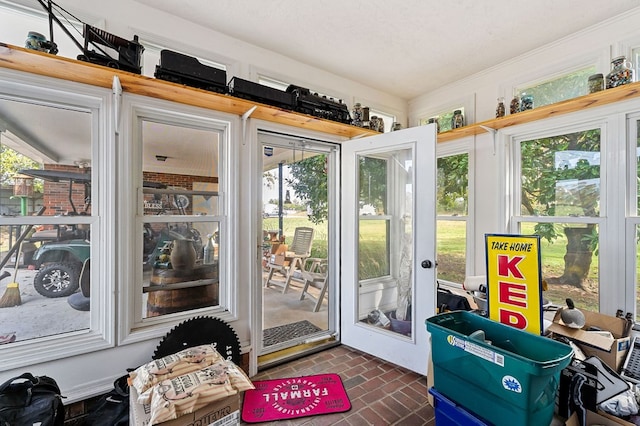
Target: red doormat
(294, 397)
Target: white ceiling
(403, 47)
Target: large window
(178, 169)
(53, 216)
(558, 197)
(452, 217)
(558, 89)
(633, 225)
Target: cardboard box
(225, 412)
(277, 248)
(278, 259)
(612, 350)
(599, 418)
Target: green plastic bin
(505, 375)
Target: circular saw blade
(201, 331)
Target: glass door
(388, 246)
(298, 212)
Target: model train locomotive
(183, 69)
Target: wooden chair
(315, 275)
(294, 258)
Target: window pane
(451, 249)
(373, 185)
(373, 249)
(453, 184)
(561, 175)
(181, 227)
(444, 120)
(181, 270)
(46, 155)
(566, 87)
(570, 260)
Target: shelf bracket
(117, 102)
(245, 117)
(493, 132)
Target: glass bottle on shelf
(514, 106)
(365, 117)
(209, 251)
(500, 110)
(457, 120)
(526, 102)
(621, 72)
(596, 83)
(357, 115)
(435, 120)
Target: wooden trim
(592, 100)
(45, 64)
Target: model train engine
(187, 70)
(319, 106)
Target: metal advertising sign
(514, 281)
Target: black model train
(183, 69)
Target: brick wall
(56, 194)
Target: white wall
(595, 45)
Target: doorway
(388, 245)
(299, 232)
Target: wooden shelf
(592, 100)
(40, 63)
(45, 64)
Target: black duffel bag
(112, 409)
(28, 400)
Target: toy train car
(129, 52)
(246, 89)
(183, 69)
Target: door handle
(427, 264)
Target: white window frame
(611, 119)
(132, 327)
(632, 215)
(101, 332)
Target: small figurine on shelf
(500, 110)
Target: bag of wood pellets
(183, 362)
(185, 394)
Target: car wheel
(57, 280)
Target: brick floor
(381, 393)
